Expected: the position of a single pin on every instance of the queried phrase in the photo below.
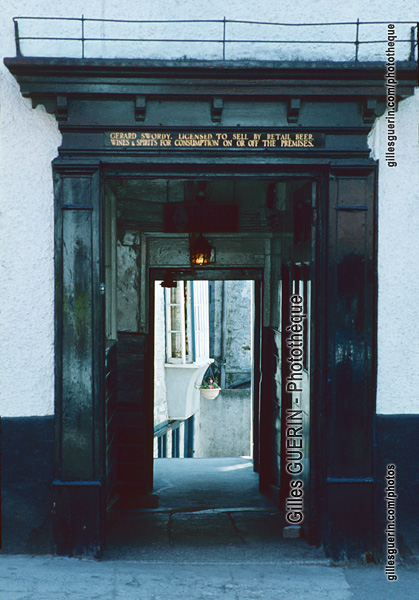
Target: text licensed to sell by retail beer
(244, 140)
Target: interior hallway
(209, 509)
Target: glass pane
(175, 295)
(175, 318)
(176, 345)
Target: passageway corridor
(208, 483)
(208, 509)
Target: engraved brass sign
(183, 140)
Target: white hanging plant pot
(209, 393)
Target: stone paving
(55, 578)
(202, 545)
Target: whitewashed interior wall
(224, 425)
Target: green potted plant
(209, 388)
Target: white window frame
(201, 320)
(169, 330)
(196, 329)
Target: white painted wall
(238, 334)
(398, 256)
(30, 138)
(28, 143)
(224, 425)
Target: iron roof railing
(224, 38)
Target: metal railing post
(17, 40)
(224, 38)
(82, 36)
(412, 43)
(357, 41)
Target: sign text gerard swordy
(213, 139)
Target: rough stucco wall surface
(128, 284)
(398, 254)
(29, 141)
(224, 425)
(239, 335)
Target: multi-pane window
(187, 322)
(176, 318)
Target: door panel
(80, 360)
(351, 362)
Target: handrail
(225, 38)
